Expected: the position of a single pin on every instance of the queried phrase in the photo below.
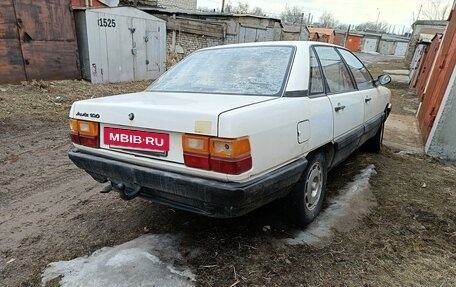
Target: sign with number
(107, 22)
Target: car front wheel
(307, 197)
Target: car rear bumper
(199, 195)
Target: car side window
(337, 76)
(362, 76)
(316, 78)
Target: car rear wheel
(307, 197)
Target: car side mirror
(383, 79)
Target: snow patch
(352, 203)
(146, 261)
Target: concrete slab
(400, 79)
(402, 133)
(398, 76)
(376, 58)
(397, 72)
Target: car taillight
(196, 151)
(229, 156)
(236, 166)
(84, 133)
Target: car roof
(300, 44)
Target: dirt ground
(52, 211)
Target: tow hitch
(127, 192)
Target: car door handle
(338, 108)
(366, 100)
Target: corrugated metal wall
(439, 79)
(37, 41)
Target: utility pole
(223, 6)
(346, 36)
(378, 17)
(300, 27)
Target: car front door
(372, 98)
(347, 104)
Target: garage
(120, 44)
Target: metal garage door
(11, 61)
(253, 34)
(37, 41)
(401, 49)
(370, 45)
(122, 44)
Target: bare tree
(342, 26)
(292, 15)
(327, 20)
(229, 8)
(243, 8)
(257, 11)
(436, 9)
(372, 27)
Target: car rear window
(259, 70)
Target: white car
(232, 128)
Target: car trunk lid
(177, 112)
(157, 118)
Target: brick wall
(180, 4)
(187, 43)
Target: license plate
(139, 140)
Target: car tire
(374, 144)
(306, 199)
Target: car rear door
(347, 104)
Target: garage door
(37, 41)
(252, 34)
(401, 49)
(370, 45)
(11, 61)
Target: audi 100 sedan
(231, 128)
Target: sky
(398, 13)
